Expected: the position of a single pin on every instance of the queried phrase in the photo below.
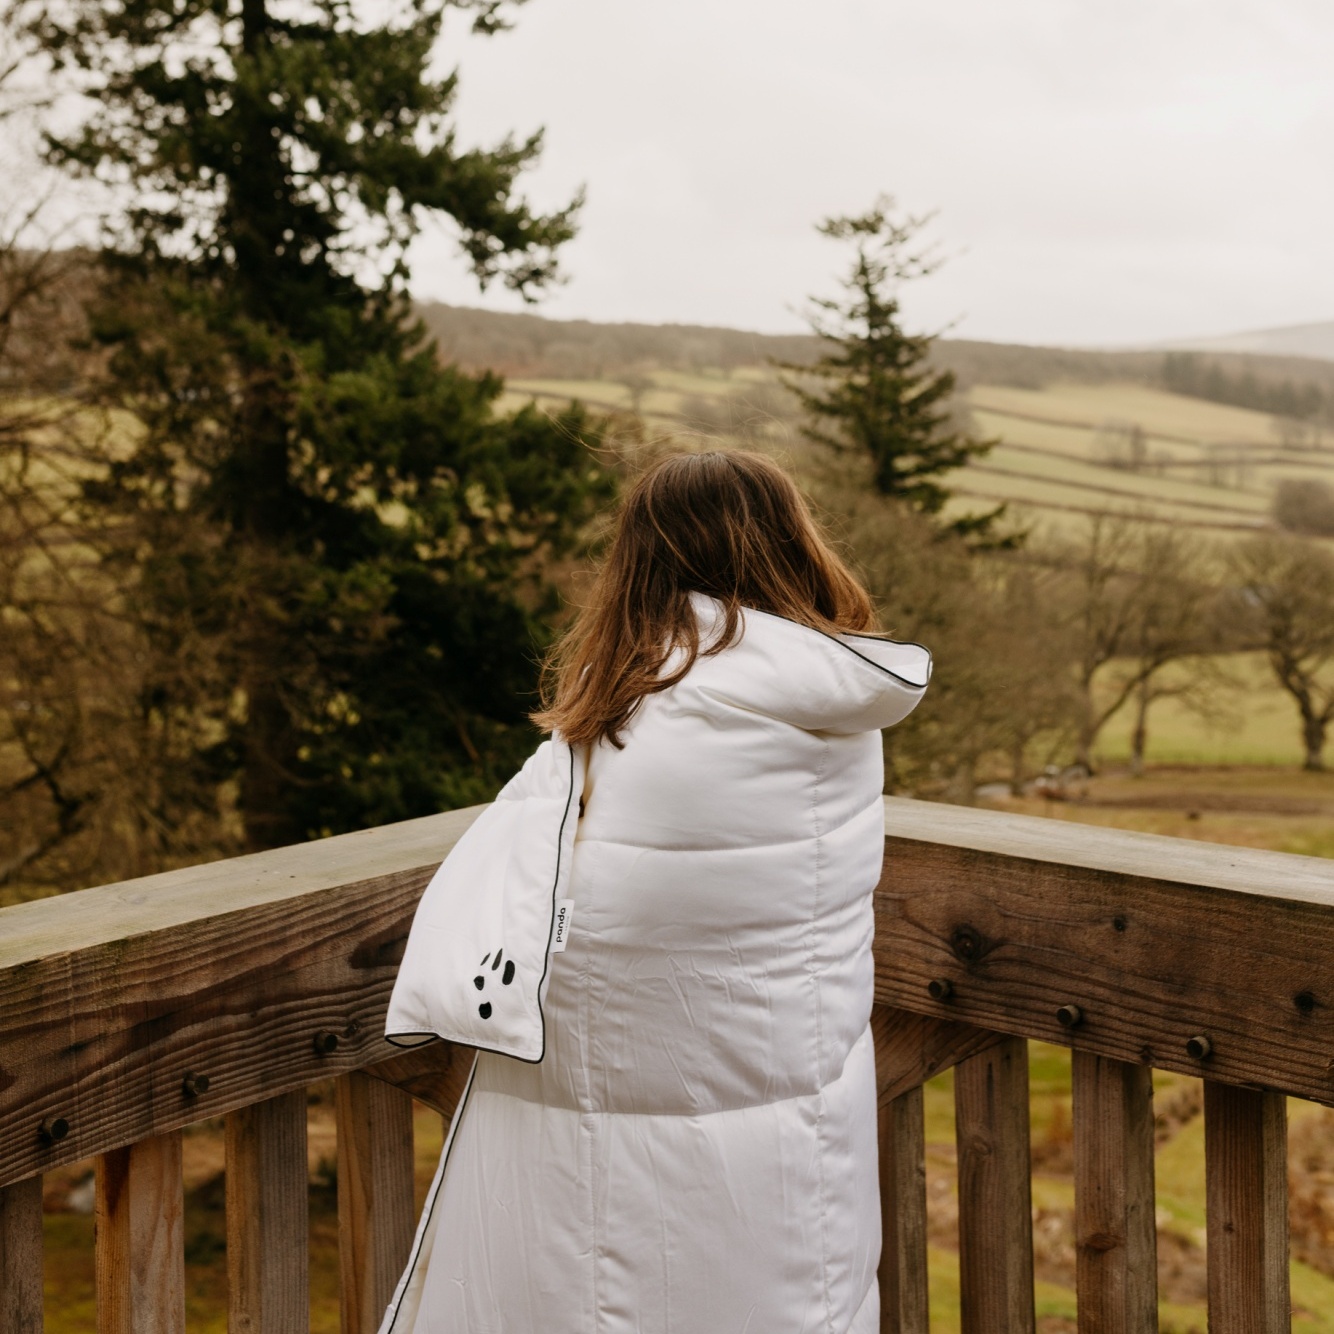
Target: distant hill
(532, 346)
(1315, 341)
(528, 345)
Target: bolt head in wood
(940, 988)
(53, 1129)
(1199, 1047)
(1069, 1016)
(326, 1043)
(192, 1085)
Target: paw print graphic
(506, 977)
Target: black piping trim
(879, 639)
(546, 961)
(435, 1194)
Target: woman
(666, 917)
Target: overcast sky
(1103, 171)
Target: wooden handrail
(1153, 942)
(131, 1010)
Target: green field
(1204, 465)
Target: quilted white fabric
(689, 1144)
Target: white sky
(1105, 171)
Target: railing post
(21, 1257)
(995, 1193)
(1116, 1265)
(268, 1263)
(1246, 1177)
(375, 1206)
(903, 1278)
(140, 1238)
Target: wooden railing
(130, 1011)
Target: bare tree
(1135, 602)
(1286, 595)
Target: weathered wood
(228, 970)
(375, 1204)
(435, 1074)
(1246, 1189)
(1086, 847)
(140, 1238)
(1149, 961)
(904, 1298)
(911, 1048)
(267, 1202)
(995, 1209)
(1116, 1259)
(21, 1257)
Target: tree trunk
(262, 511)
(1139, 737)
(1017, 767)
(1313, 737)
(1084, 748)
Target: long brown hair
(729, 524)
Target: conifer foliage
(874, 393)
(337, 547)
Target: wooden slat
(911, 1048)
(375, 1204)
(435, 1074)
(1150, 962)
(1116, 1260)
(228, 970)
(995, 1210)
(140, 1238)
(1246, 1173)
(267, 1201)
(21, 1257)
(904, 1299)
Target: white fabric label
(560, 932)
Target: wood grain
(435, 1074)
(1246, 1189)
(104, 1036)
(139, 1250)
(267, 1204)
(21, 1257)
(375, 1204)
(995, 1209)
(108, 997)
(911, 1048)
(904, 1297)
(1149, 962)
(1116, 1257)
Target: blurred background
(331, 330)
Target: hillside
(1077, 432)
(1314, 341)
(532, 346)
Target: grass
(1048, 459)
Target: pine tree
(877, 395)
(337, 546)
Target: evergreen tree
(337, 547)
(877, 394)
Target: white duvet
(680, 1134)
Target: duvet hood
(821, 683)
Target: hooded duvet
(671, 1125)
